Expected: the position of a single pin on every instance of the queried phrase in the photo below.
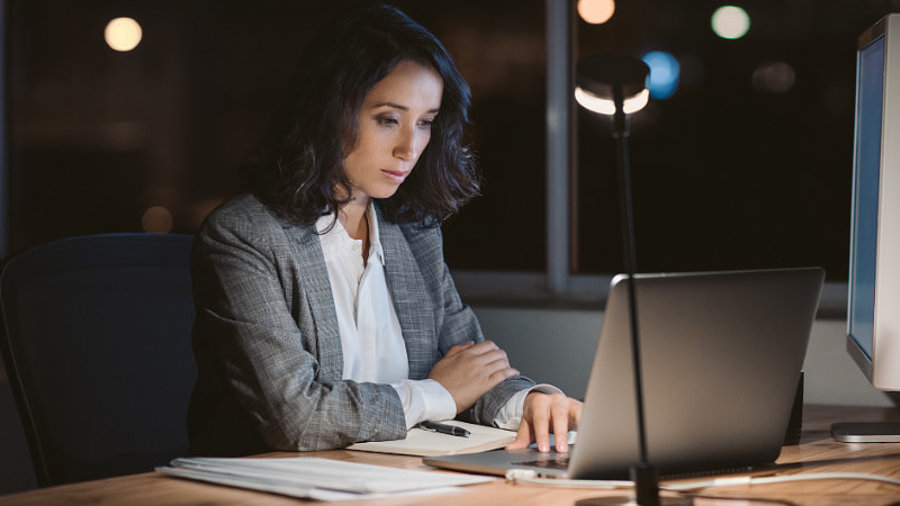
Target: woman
(325, 312)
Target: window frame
(4, 135)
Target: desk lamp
(614, 85)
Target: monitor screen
(866, 168)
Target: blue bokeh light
(664, 72)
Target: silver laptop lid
(721, 358)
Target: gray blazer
(267, 344)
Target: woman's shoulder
(243, 215)
(244, 205)
(424, 239)
(423, 230)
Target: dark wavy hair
(298, 168)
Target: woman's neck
(353, 218)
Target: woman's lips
(395, 175)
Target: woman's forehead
(409, 84)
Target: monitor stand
(866, 432)
(870, 432)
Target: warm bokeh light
(730, 22)
(664, 74)
(774, 77)
(596, 11)
(157, 220)
(606, 106)
(123, 34)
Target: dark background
(726, 175)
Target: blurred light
(596, 12)
(606, 106)
(774, 77)
(664, 73)
(123, 34)
(157, 220)
(730, 22)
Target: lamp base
(664, 500)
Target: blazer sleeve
(254, 329)
(457, 323)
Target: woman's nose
(405, 148)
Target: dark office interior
(731, 170)
(746, 163)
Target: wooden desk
(816, 453)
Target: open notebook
(432, 444)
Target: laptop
(721, 358)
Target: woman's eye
(387, 120)
(426, 123)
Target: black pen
(444, 428)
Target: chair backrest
(96, 340)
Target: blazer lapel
(415, 309)
(315, 283)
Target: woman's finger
(523, 438)
(459, 347)
(540, 421)
(559, 414)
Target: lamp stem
(645, 482)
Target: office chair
(96, 338)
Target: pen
(444, 428)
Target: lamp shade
(598, 75)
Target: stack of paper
(317, 478)
(434, 444)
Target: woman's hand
(470, 370)
(541, 412)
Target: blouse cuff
(424, 400)
(510, 415)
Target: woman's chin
(385, 193)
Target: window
(500, 48)
(746, 164)
(109, 141)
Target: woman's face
(394, 127)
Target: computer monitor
(873, 303)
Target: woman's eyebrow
(402, 107)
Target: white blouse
(371, 338)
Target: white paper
(317, 478)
